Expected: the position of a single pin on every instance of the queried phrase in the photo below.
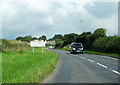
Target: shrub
(13, 45)
(113, 45)
(107, 44)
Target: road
(84, 68)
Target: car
(50, 47)
(76, 48)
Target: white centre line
(98, 64)
(73, 55)
(102, 65)
(116, 72)
(83, 58)
(90, 60)
(110, 68)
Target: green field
(26, 67)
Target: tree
(84, 39)
(19, 38)
(59, 43)
(69, 38)
(27, 38)
(43, 37)
(57, 36)
(34, 38)
(109, 44)
(100, 32)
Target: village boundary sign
(37, 43)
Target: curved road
(84, 68)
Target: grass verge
(106, 54)
(96, 53)
(26, 67)
(0, 68)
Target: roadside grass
(106, 54)
(96, 53)
(26, 67)
(0, 68)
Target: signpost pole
(33, 50)
(42, 50)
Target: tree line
(96, 41)
(30, 38)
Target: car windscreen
(77, 45)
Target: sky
(38, 17)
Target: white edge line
(116, 72)
(102, 65)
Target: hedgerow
(12, 45)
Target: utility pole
(81, 25)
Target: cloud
(50, 18)
(102, 9)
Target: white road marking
(116, 72)
(90, 60)
(83, 58)
(98, 63)
(73, 55)
(110, 69)
(102, 65)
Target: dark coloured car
(76, 48)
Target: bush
(59, 43)
(13, 45)
(113, 45)
(100, 44)
(107, 44)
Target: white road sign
(37, 43)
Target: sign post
(42, 50)
(33, 50)
(37, 43)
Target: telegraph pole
(81, 25)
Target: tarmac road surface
(84, 68)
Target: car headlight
(74, 49)
(81, 48)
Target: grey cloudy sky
(36, 18)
